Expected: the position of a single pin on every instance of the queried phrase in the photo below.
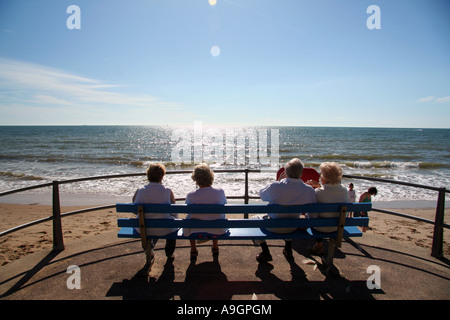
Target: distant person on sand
(206, 194)
(329, 190)
(156, 193)
(289, 190)
(351, 196)
(366, 197)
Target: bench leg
(149, 255)
(330, 256)
(330, 268)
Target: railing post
(438, 234)
(246, 197)
(58, 242)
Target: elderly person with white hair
(329, 190)
(287, 191)
(205, 194)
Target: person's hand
(282, 175)
(313, 183)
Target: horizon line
(214, 125)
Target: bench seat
(248, 234)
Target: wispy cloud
(442, 100)
(426, 99)
(55, 85)
(37, 87)
(8, 31)
(434, 99)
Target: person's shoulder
(190, 197)
(277, 184)
(219, 191)
(191, 193)
(273, 188)
(221, 194)
(144, 189)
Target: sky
(225, 62)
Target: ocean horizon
(38, 154)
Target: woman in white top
(351, 197)
(206, 194)
(331, 191)
(156, 193)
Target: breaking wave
(19, 175)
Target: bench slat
(249, 234)
(242, 223)
(242, 208)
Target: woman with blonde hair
(205, 194)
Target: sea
(31, 155)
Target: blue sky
(276, 62)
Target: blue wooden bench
(244, 229)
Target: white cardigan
(329, 193)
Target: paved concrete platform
(111, 269)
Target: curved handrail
(127, 175)
(409, 184)
(438, 223)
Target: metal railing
(58, 241)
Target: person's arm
(313, 184)
(188, 198)
(282, 175)
(265, 193)
(172, 197)
(135, 194)
(224, 198)
(172, 201)
(362, 197)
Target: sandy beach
(15, 245)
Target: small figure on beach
(366, 197)
(351, 197)
(289, 190)
(205, 194)
(156, 193)
(329, 190)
